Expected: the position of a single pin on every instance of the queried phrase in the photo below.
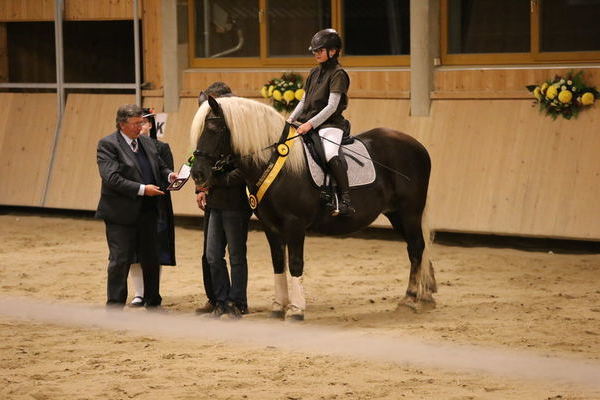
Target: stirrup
(342, 208)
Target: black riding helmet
(327, 39)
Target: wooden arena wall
(499, 166)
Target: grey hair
(127, 111)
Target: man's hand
(305, 127)
(201, 200)
(151, 190)
(172, 177)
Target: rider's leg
(332, 137)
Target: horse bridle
(223, 162)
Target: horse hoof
(278, 314)
(411, 303)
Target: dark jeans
(228, 228)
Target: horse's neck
(251, 171)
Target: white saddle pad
(355, 154)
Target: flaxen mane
(253, 127)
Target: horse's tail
(426, 284)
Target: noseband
(222, 163)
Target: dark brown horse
(245, 131)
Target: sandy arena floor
(529, 303)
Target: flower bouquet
(284, 92)
(565, 96)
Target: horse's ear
(215, 107)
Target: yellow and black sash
(282, 150)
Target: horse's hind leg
(421, 283)
(281, 301)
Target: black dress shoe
(233, 310)
(218, 311)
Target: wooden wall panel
(364, 84)
(499, 83)
(501, 167)
(26, 10)
(98, 9)
(75, 181)
(27, 128)
(152, 43)
(43, 10)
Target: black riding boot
(341, 179)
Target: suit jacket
(121, 177)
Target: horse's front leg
(295, 244)
(277, 246)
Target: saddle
(353, 152)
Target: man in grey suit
(131, 171)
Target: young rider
(321, 107)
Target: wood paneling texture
(499, 166)
(152, 43)
(502, 167)
(75, 181)
(43, 10)
(27, 128)
(26, 10)
(98, 9)
(364, 84)
(499, 82)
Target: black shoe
(218, 311)
(233, 310)
(346, 208)
(336, 167)
(206, 308)
(243, 309)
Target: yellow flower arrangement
(565, 96)
(284, 92)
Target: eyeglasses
(140, 123)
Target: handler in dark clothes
(131, 171)
(165, 224)
(227, 214)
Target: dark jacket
(228, 192)
(121, 177)
(166, 224)
(327, 77)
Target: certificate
(182, 177)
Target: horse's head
(213, 154)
